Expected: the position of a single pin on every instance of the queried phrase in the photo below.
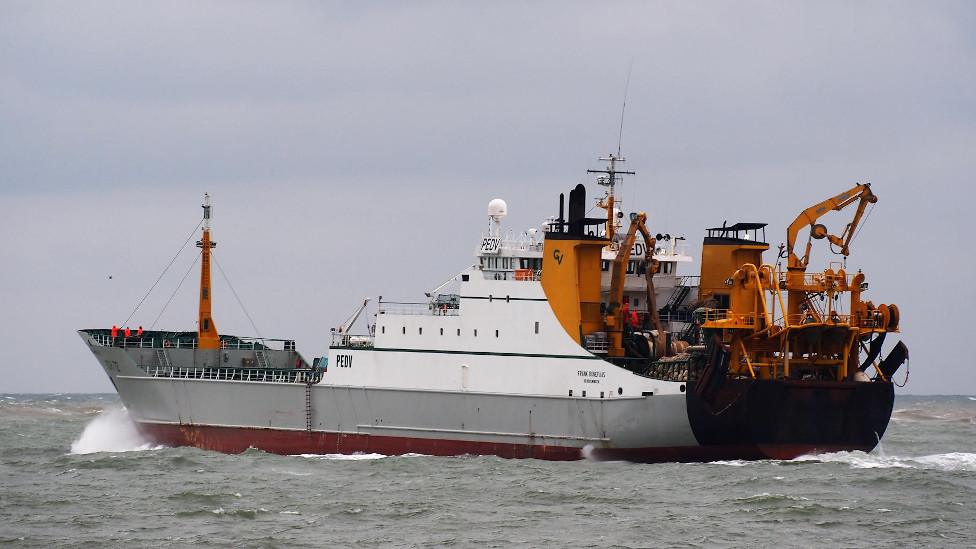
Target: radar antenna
(610, 180)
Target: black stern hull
(767, 419)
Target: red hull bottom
(234, 440)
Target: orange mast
(207, 336)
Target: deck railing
(427, 308)
(352, 341)
(264, 375)
(136, 342)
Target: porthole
(620, 390)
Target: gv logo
(558, 256)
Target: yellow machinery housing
(808, 335)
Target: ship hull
(776, 416)
(238, 439)
(674, 422)
(234, 416)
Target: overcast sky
(351, 150)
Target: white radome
(497, 209)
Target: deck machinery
(775, 361)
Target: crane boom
(809, 217)
(615, 319)
(344, 328)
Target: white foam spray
(112, 430)
(953, 461)
(345, 457)
(587, 452)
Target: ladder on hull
(262, 359)
(308, 406)
(162, 356)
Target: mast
(207, 336)
(610, 180)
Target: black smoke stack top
(562, 211)
(577, 210)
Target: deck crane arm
(620, 268)
(352, 319)
(809, 217)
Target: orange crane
(615, 319)
(796, 266)
(809, 217)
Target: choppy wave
(111, 431)
(952, 461)
(920, 488)
(354, 457)
(221, 512)
(924, 414)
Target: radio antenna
(620, 135)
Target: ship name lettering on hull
(590, 376)
(344, 361)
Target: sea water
(74, 472)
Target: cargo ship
(577, 339)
